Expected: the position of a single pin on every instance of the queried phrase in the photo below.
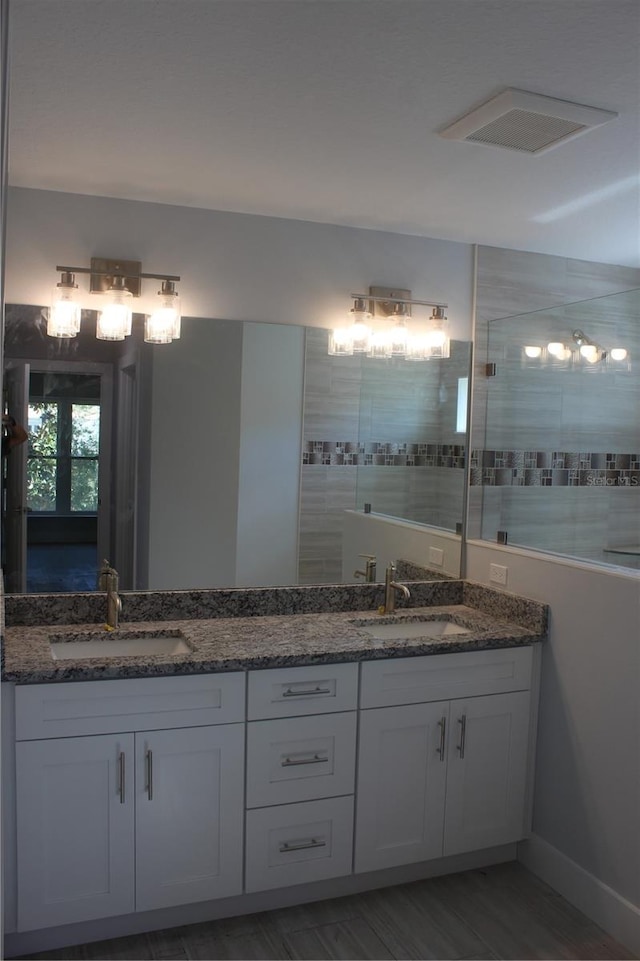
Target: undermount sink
(385, 629)
(117, 644)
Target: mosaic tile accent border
(540, 468)
(331, 453)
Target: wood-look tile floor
(498, 912)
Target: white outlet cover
(436, 556)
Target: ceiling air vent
(528, 122)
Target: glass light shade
(399, 338)
(115, 317)
(417, 347)
(618, 353)
(380, 346)
(556, 349)
(590, 353)
(360, 337)
(65, 311)
(438, 344)
(533, 352)
(341, 342)
(160, 326)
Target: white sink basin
(405, 628)
(117, 644)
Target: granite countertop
(222, 643)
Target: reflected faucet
(369, 572)
(390, 588)
(108, 581)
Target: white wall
(233, 266)
(390, 539)
(270, 455)
(195, 455)
(587, 789)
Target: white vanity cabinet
(132, 820)
(301, 749)
(439, 777)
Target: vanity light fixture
(119, 282)
(381, 325)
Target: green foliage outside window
(63, 443)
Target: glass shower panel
(413, 439)
(560, 468)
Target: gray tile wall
(382, 432)
(570, 431)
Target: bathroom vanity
(284, 758)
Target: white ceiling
(327, 110)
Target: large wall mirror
(224, 459)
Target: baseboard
(619, 917)
(47, 939)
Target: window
(62, 464)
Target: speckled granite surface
(408, 571)
(259, 640)
(25, 609)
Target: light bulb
(114, 320)
(533, 351)
(618, 353)
(556, 349)
(399, 338)
(65, 310)
(380, 345)
(417, 347)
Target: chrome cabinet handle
(314, 759)
(462, 721)
(121, 770)
(149, 760)
(442, 724)
(286, 847)
(317, 690)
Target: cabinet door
(189, 811)
(75, 826)
(487, 771)
(401, 785)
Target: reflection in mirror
(224, 459)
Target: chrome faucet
(108, 581)
(369, 572)
(390, 588)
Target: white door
(75, 829)
(16, 381)
(189, 815)
(401, 785)
(487, 771)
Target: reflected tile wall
(551, 448)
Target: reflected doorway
(56, 500)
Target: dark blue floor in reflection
(54, 568)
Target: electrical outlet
(498, 574)
(436, 556)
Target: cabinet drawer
(297, 843)
(302, 759)
(409, 680)
(104, 707)
(291, 691)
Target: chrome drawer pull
(149, 758)
(286, 847)
(442, 724)
(121, 776)
(462, 721)
(314, 759)
(316, 690)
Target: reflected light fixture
(119, 282)
(381, 326)
(65, 312)
(589, 350)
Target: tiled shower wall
(555, 454)
(381, 432)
